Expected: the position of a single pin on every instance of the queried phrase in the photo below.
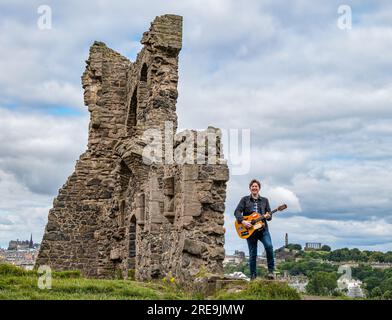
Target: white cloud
(21, 211)
(40, 150)
(282, 195)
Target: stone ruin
(122, 211)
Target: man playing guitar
(255, 203)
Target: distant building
(31, 243)
(17, 245)
(237, 258)
(23, 245)
(312, 246)
(20, 253)
(240, 254)
(261, 259)
(22, 258)
(286, 252)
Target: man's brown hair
(255, 181)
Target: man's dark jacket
(246, 207)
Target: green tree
(306, 267)
(388, 272)
(387, 295)
(386, 285)
(355, 254)
(325, 248)
(372, 282)
(376, 256)
(294, 246)
(322, 283)
(363, 257)
(388, 257)
(339, 255)
(313, 254)
(376, 292)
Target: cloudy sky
(316, 97)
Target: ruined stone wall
(69, 241)
(123, 209)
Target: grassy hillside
(16, 283)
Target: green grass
(18, 284)
(261, 290)
(74, 289)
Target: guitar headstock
(282, 207)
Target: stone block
(139, 215)
(194, 247)
(169, 204)
(217, 253)
(218, 206)
(190, 172)
(140, 200)
(192, 206)
(52, 226)
(94, 182)
(154, 208)
(168, 186)
(156, 196)
(221, 173)
(115, 254)
(169, 214)
(190, 201)
(156, 212)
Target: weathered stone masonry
(117, 211)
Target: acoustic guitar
(256, 219)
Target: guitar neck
(262, 216)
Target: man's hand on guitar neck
(267, 215)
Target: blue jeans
(265, 238)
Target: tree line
(343, 254)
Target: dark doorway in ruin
(144, 73)
(125, 176)
(143, 90)
(139, 100)
(132, 244)
(131, 120)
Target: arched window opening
(131, 120)
(143, 88)
(132, 244)
(125, 176)
(144, 73)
